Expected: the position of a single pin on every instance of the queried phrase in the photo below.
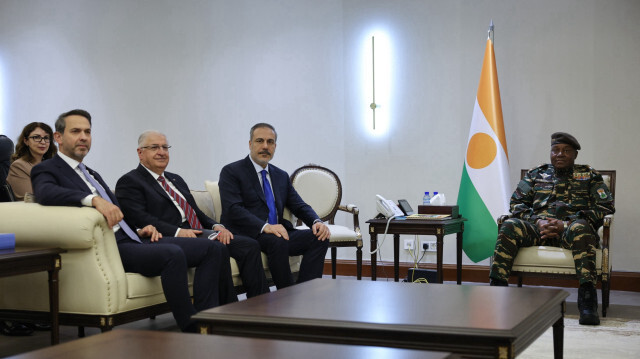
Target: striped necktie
(103, 193)
(192, 218)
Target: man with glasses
(562, 205)
(64, 180)
(151, 195)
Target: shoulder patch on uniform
(602, 193)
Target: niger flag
(484, 187)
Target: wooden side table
(31, 260)
(438, 228)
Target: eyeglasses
(155, 148)
(38, 138)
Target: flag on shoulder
(484, 186)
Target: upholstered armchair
(555, 262)
(95, 291)
(320, 188)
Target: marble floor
(623, 304)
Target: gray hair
(143, 136)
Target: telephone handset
(387, 207)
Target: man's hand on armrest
(110, 211)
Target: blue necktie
(268, 195)
(125, 227)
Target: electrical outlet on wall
(429, 246)
(408, 244)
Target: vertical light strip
(376, 83)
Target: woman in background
(32, 147)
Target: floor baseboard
(626, 281)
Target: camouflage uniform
(581, 199)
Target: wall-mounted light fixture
(376, 84)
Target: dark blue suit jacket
(244, 207)
(55, 183)
(144, 201)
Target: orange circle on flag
(481, 151)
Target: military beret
(563, 137)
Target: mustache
(265, 152)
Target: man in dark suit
(254, 194)
(150, 195)
(65, 181)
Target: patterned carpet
(613, 338)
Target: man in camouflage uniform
(562, 205)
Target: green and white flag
(484, 187)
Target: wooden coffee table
(137, 344)
(31, 260)
(470, 320)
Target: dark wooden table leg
(459, 257)
(53, 301)
(374, 254)
(558, 336)
(396, 257)
(439, 244)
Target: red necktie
(188, 211)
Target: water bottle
(434, 194)
(426, 200)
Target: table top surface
(381, 221)
(28, 252)
(122, 343)
(411, 307)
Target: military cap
(563, 137)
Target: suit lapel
(253, 175)
(70, 173)
(152, 182)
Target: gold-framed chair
(555, 262)
(321, 188)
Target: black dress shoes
(15, 329)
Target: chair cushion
(204, 202)
(544, 259)
(338, 233)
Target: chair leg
(334, 254)
(606, 286)
(519, 280)
(359, 263)
(80, 332)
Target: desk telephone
(387, 207)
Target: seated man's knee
(509, 225)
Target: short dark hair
(61, 123)
(262, 125)
(22, 150)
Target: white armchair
(555, 262)
(320, 188)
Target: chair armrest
(51, 226)
(607, 229)
(353, 209)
